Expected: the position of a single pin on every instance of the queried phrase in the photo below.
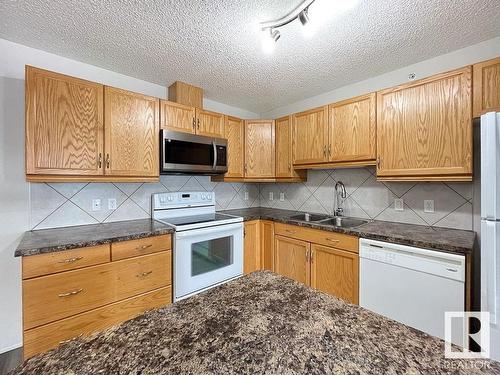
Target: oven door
(182, 152)
(206, 257)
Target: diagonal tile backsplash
(66, 204)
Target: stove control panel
(182, 199)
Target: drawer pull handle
(72, 293)
(144, 247)
(289, 231)
(144, 274)
(71, 260)
(332, 240)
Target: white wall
(456, 59)
(14, 190)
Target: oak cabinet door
(177, 117)
(131, 134)
(210, 124)
(486, 87)
(291, 258)
(267, 244)
(284, 147)
(251, 251)
(235, 134)
(310, 136)
(352, 129)
(64, 124)
(335, 272)
(259, 149)
(425, 128)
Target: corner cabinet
(235, 134)
(310, 136)
(284, 140)
(486, 87)
(64, 125)
(353, 131)
(424, 129)
(131, 133)
(259, 149)
(78, 130)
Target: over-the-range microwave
(183, 153)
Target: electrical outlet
(398, 204)
(96, 205)
(429, 205)
(111, 204)
(271, 196)
(282, 197)
(246, 195)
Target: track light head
(275, 35)
(269, 40)
(304, 17)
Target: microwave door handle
(215, 155)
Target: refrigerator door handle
(490, 164)
(490, 240)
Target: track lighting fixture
(310, 22)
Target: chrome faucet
(339, 194)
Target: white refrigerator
(490, 225)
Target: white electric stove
(208, 246)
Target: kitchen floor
(10, 360)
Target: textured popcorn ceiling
(216, 45)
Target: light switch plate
(271, 196)
(246, 195)
(282, 197)
(398, 204)
(96, 205)
(429, 205)
(111, 204)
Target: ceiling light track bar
(294, 14)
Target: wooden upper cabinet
(335, 272)
(64, 124)
(131, 133)
(310, 136)
(177, 117)
(209, 123)
(284, 147)
(235, 134)
(259, 149)
(184, 93)
(486, 87)
(251, 247)
(291, 259)
(424, 129)
(352, 129)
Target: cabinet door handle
(144, 274)
(311, 256)
(70, 260)
(307, 255)
(72, 293)
(289, 167)
(324, 151)
(143, 247)
(329, 150)
(378, 162)
(198, 124)
(99, 160)
(194, 123)
(107, 161)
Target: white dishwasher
(411, 285)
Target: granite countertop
(59, 239)
(442, 239)
(288, 328)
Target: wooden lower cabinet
(51, 335)
(291, 258)
(251, 247)
(61, 303)
(335, 272)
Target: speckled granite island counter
(441, 239)
(287, 328)
(59, 239)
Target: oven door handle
(215, 155)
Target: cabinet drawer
(49, 336)
(142, 274)
(50, 298)
(46, 264)
(143, 246)
(53, 297)
(337, 240)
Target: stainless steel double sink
(335, 221)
